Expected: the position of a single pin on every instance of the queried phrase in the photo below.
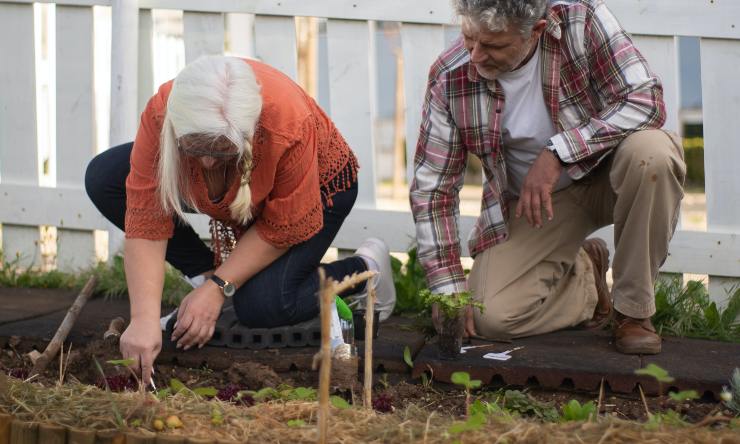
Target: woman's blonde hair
(215, 96)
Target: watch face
(229, 289)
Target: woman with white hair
(240, 142)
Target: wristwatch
(551, 147)
(227, 288)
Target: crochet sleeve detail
(145, 217)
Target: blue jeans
(284, 293)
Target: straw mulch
(82, 406)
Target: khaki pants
(541, 280)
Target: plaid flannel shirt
(598, 89)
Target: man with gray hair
(565, 115)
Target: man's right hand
(142, 342)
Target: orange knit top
(298, 157)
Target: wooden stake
(115, 330)
(140, 437)
(5, 421)
(326, 296)
(80, 436)
(52, 434)
(22, 432)
(109, 437)
(69, 320)
(369, 319)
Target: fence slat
(146, 59)
(18, 132)
(654, 17)
(662, 56)
(351, 53)
(75, 122)
(421, 45)
(240, 34)
(203, 33)
(720, 63)
(69, 207)
(275, 43)
(124, 90)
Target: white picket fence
(25, 205)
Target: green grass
(111, 279)
(688, 311)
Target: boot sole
(640, 350)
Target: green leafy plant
(522, 403)
(407, 357)
(450, 305)
(296, 423)
(491, 409)
(474, 422)
(177, 386)
(684, 395)
(302, 394)
(574, 411)
(409, 280)
(658, 373)
(463, 379)
(688, 311)
(669, 418)
(339, 402)
(217, 416)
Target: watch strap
(222, 285)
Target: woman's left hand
(197, 315)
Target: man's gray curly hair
(497, 15)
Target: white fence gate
(25, 205)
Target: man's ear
(539, 27)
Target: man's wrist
(551, 148)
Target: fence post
(18, 128)
(124, 92)
(75, 100)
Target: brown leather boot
(636, 336)
(599, 255)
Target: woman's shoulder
(285, 106)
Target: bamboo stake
(22, 432)
(52, 434)
(601, 397)
(69, 320)
(326, 299)
(369, 319)
(5, 421)
(644, 401)
(350, 281)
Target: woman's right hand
(142, 342)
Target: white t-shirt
(526, 122)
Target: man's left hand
(197, 315)
(536, 192)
